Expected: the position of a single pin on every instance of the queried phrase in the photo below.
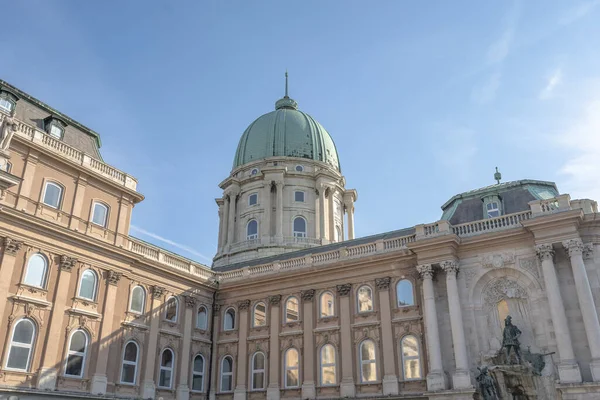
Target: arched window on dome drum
(37, 268)
(258, 371)
(364, 298)
(226, 374)
(328, 367)
(21, 346)
(252, 230)
(167, 361)
(292, 369)
(291, 310)
(76, 354)
(229, 320)
(368, 362)
(326, 304)
(202, 318)
(129, 363)
(299, 227)
(259, 316)
(411, 358)
(138, 299)
(198, 374)
(404, 293)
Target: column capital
(275, 300)
(383, 283)
(244, 304)
(11, 246)
(588, 251)
(113, 277)
(157, 291)
(66, 263)
(216, 307)
(425, 271)
(344, 290)
(307, 295)
(450, 267)
(544, 251)
(573, 247)
(279, 183)
(190, 301)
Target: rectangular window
(493, 210)
(299, 196)
(6, 105)
(253, 199)
(99, 214)
(56, 131)
(52, 195)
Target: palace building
(294, 306)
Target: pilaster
(273, 388)
(242, 361)
(183, 389)
(279, 221)
(347, 388)
(308, 357)
(78, 202)
(213, 363)
(10, 248)
(148, 385)
(28, 174)
(390, 379)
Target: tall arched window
(129, 363)
(411, 357)
(258, 371)
(364, 299)
(138, 299)
(198, 374)
(99, 214)
(292, 370)
(327, 361)
(172, 308)
(259, 316)
(21, 345)
(291, 310)
(404, 293)
(299, 227)
(368, 361)
(326, 304)
(167, 360)
(52, 195)
(88, 285)
(76, 354)
(37, 268)
(202, 318)
(226, 374)
(229, 320)
(252, 230)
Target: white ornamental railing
(491, 224)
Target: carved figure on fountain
(486, 385)
(510, 340)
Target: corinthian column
(436, 378)
(231, 227)
(461, 378)
(279, 222)
(568, 370)
(586, 302)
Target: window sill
(374, 383)
(33, 289)
(86, 301)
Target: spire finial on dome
(497, 176)
(286, 102)
(286, 84)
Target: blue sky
(422, 99)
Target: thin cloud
(170, 242)
(487, 92)
(578, 12)
(554, 80)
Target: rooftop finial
(286, 84)
(497, 176)
(286, 102)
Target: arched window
(252, 229)
(259, 317)
(129, 363)
(299, 227)
(337, 234)
(99, 214)
(411, 358)
(202, 318)
(6, 102)
(172, 308)
(404, 293)
(292, 370)
(88, 285)
(368, 361)
(76, 354)
(138, 299)
(364, 298)
(291, 310)
(21, 345)
(167, 360)
(258, 371)
(226, 374)
(229, 320)
(198, 374)
(327, 361)
(52, 194)
(37, 268)
(326, 304)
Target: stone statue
(536, 360)
(9, 127)
(510, 339)
(486, 385)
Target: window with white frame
(6, 104)
(411, 358)
(253, 199)
(326, 304)
(55, 130)
(138, 300)
(368, 361)
(364, 298)
(259, 315)
(226, 374)
(99, 214)
(6, 167)
(328, 367)
(229, 320)
(292, 310)
(254, 171)
(299, 168)
(88, 285)
(404, 293)
(337, 234)
(258, 371)
(299, 227)
(198, 374)
(52, 195)
(252, 229)
(292, 369)
(171, 309)
(76, 354)
(165, 377)
(21, 346)
(202, 318)
(37, 269)
(299, 196)
(129, 363)
(493, 210)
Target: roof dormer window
(8, 101)
(492, 207)
(493, 210)
(54, 127)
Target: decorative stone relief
(544, 251)
(324, 337)
(216, 307)
(80, 321)
(292, 341)
(275, 300)
(190, 301)
(344, 290)
(383, 283)
(367, 332)
(244, 304)
(114, 277)
(66, 263)
(573, 247)
(307, 295)
(228, 349)
(425, 271)
(530, 265)
(11, 246)
(502, 288)
(588, 251)
(469, 274)
(157, 291)
(450, 267)
(497, 260)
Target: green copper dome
(286, 132)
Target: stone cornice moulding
(86, 313)
(201, 339)
(31, 300)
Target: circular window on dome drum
(299, 168)
(254, 171)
